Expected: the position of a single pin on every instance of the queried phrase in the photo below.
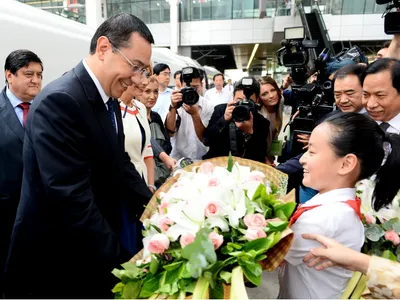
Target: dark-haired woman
(272, 109)
(344, 149)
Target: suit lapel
(10, 118)
(100, 109)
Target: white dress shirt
(185, 142)
(394, 125)
(333, 219)
(163, 103)
(15, 102)
(218, 97)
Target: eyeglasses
(135, 69)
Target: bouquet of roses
(212, 229)
(382, 235)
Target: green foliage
(230, 162)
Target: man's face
(382, 53)
(218, 82)
(178, 83)
(380, 98)
(27, 81)
(118, 72)
(348, 94)
(239, 96)
(163, 77)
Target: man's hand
(192, 110)
(170, 163)
(246, 126)
(228, 111)
(334, 254)
(287, 82)
(176, 97)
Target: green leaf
(173, 266)
(278, 225)
(260, 257)
(268, 199)
(249, 207)
(127, 275)
(209, 276)
(154, 265)
(130, 266)
(118, 287)
(226, 276)
(151, 286)
(131, 290)
(200, 254)
(273, 239)
(252, 271)
(374, 232)
(230, 162)
(172, 275)
(190, 287)
(235, 246)
(286, 208)
(258, 244)
(217, 292)
(281, 215)
(185, 272)
(257, 193)
(389, 255)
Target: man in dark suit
(23, 70)
(65, 240)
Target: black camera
(243, 108)
(392, 24)
(189, 94)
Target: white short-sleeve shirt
(218, 97)
(333, 219)
(185, 142)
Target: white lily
(212, 222)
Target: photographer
(231, 131)
(188, 116)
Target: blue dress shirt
(15, 102)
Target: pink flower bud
(216, 239)
(186, 239)
(158, 244)
(165, 223)
(255, 220)
(369, 219)
(253, 233)
(212, 209)
(206, 168)
(393, 237)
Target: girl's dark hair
(362, 136)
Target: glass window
(221, 9)
(185, 11)
(159, 11)
(201, 10)
(141, 9)
(353, 7)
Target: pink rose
(162, 209)
(393, 237)
(216, 239)
(255, 220)
(253, 233)
(256, 176)
(369, 219)
(212, 209)
(206, 168)
(213, 182)
(186, 239)
(158, 244)
(165, 223)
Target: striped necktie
(111, 112)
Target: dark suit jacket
(11, 142)
(217, 137)
(65, 240)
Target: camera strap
(233, 139)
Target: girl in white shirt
(344, 149)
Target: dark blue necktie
(111, 112)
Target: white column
(96, 11)
(174, 32)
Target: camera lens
(241, 113)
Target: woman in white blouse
(137, 132)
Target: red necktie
(354, 204)
(25, 107)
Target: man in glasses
(163, 74)
(65, 240)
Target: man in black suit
(76, 173)
(23, 70)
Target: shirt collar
(96, 82)
(362, 111)
(395, 122)
(338, 195)
(167, 90)
(219, 92)
(13, 99)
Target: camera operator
(231, 131)
(348, 98)
(188, 116)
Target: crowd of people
(82, 157)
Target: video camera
(243, 108)
(189, 94)
(392, 24)
(315, 99)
